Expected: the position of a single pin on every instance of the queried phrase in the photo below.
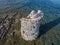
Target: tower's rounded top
(35, 15)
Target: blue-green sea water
(50, 21)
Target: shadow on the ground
(48, 26)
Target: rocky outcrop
(5, 24)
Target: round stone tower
(30, 25)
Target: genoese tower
(30, 25)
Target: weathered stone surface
(30, 25)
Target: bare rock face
(30, 25)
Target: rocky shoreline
(5, 24)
